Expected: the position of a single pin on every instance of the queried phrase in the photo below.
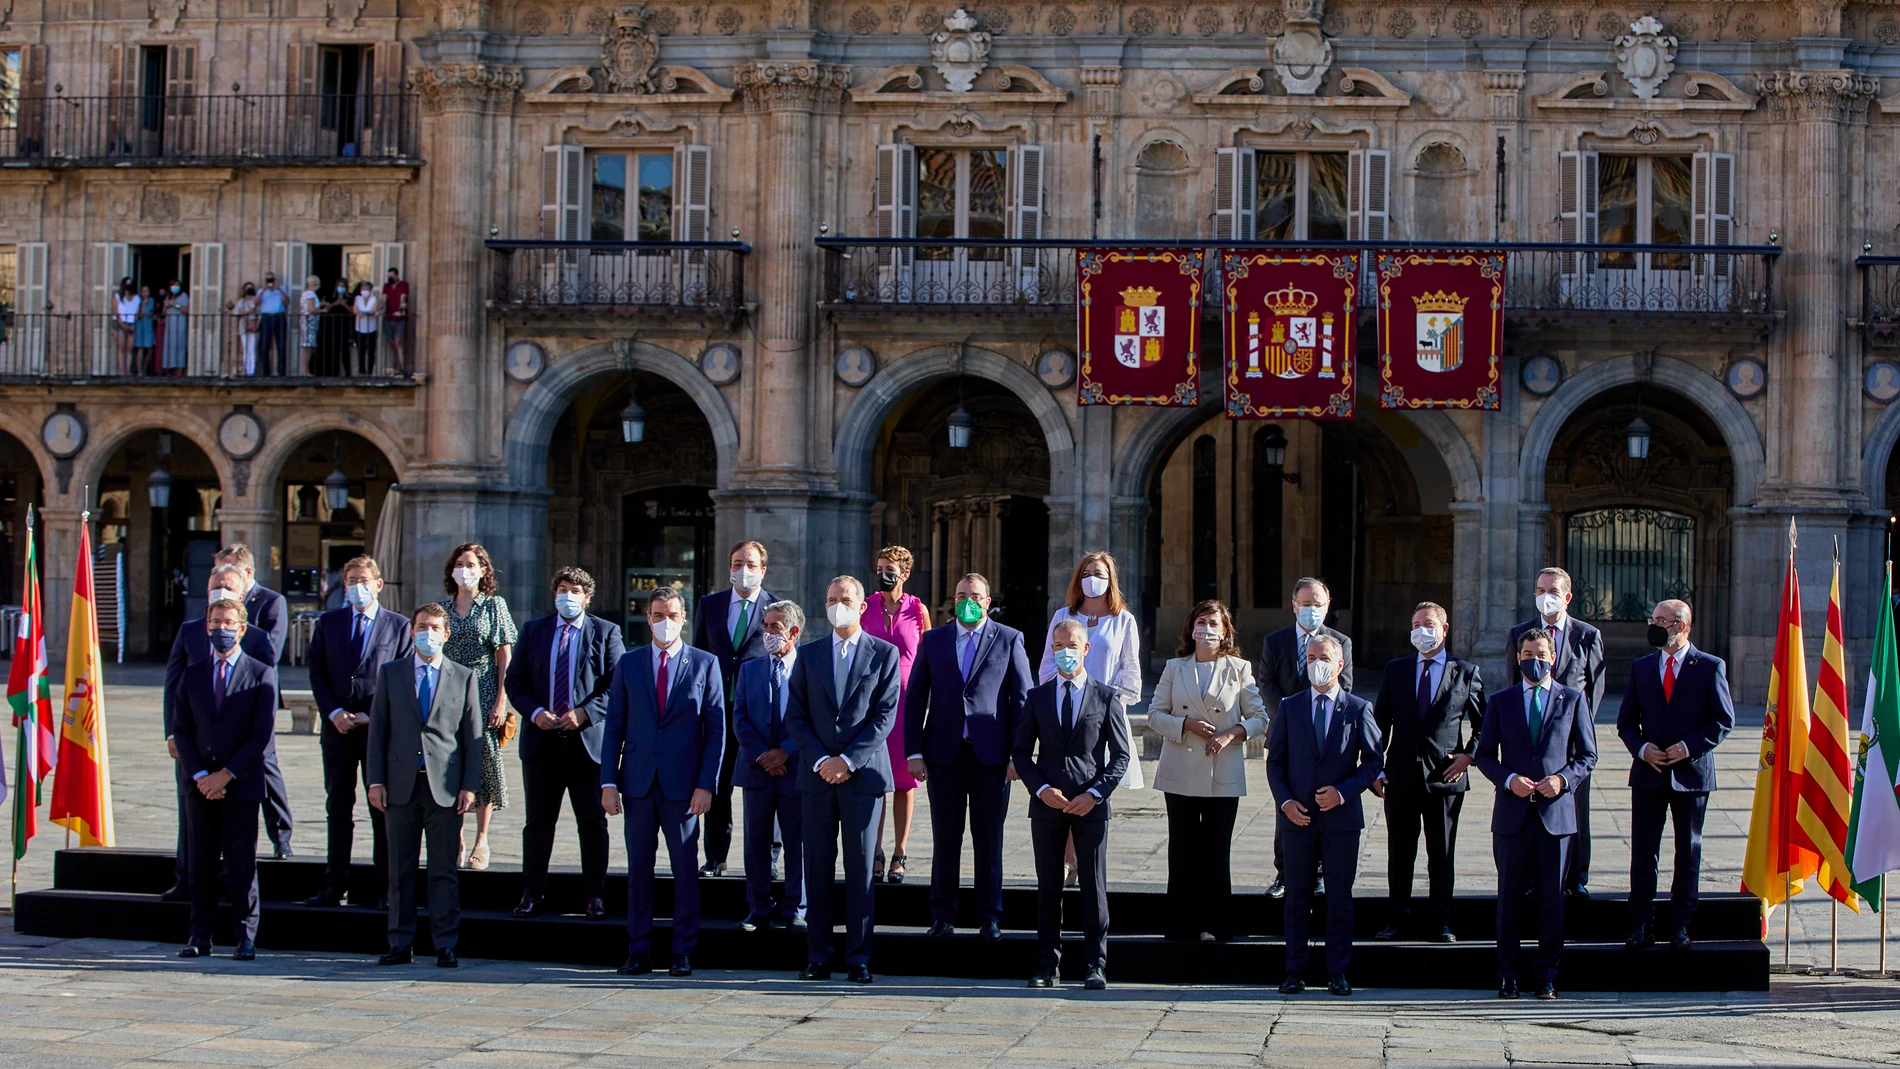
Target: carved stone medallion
(1302, 55)
(630, 53)
(960, 50)
(1646, 57)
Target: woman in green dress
(481, 636)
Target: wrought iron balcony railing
(593, 278)
(234, 129)
(50, 346)
(1880, 298)
(1544, 280)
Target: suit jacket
(941, 707)
(711, 634)
(450, 740)
(1699, 714)
(341, 680)
(268, 613)
(1231, 700)
(1280, 673)
(677, 748)
(193, 644)
(1298, 764)
(1419, 745)
(856, 731)
(1093, 756)
(1579, 664)
(760, 726)
(233, 735)
(1567, 746)
(597, 650)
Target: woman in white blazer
(1205, 708)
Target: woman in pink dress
(900, 619)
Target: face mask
(1321, 673)
(841, 615)
(1550, 604)
(776, 644)
(467, 578)
(1207, 636)
(222, 639)
(1658, 635)
(1424, 639)
(222, 593)
(1068, 661)
(665, 632)
(1534, 670)
(746, 578)
(174, 289)
(970, 612)
(359, 595)
(1311, 616)
(569, 604)
(1094, 586)
(888, 580)
(429, 644)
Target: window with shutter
(1029, 214)
(1369, 208)
(207, 309)
(1577, 200)
(29, 105)
(894, 201)
(1714, 199)
(122, 89)
(29, 335)
(1226, 165)
(382, 101)
(181, 100)
(111, 261)
(291, 260)
(693, 211)
(299, 137)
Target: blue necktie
(969, 653)
(778, 684)
(425, 697)
(359, 631)
(1320, 705)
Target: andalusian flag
(1826, 793)
(29, 693)
(1776, 866)
(1873, 835)
(82, 788)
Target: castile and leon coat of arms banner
(1140, 326)
(1441, 329)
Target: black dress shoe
(445, 959)
(752, 923)
(815, 971)
(1579, 891)
(1045, 978)
(382, 901)
(682, 966)
(282, 851)
(1339, 986)
(1679, 939)
(196, 950)
(635, 965)
(1639, 938)
(1095, 981)
(1276, 889)
(858, 974)
(1507, 987)
(992, 931)
(180, 892)
(1292, 985)
(941, 930)
(398, 956)
(1444, 935)
(329, 896)
(246, 951)
(711, 869)
(529, 906)
(1388, 933)
(1545, 990)
(596, 909)
(783, 924)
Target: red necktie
(1669, 677)
(659, 683)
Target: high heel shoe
(896, 874)
(461, 851)
(478, 857)
(877, 868)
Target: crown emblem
(959, 21)
(1291, 301)
(1141, 296)
(1440, 302)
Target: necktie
(1302, 659)
(560, 701)
(1068, 706)
(220, 682)
(659, 680)
(1424, 687)
(1669, 677)
(359, 629)
(1537, 713)
(738, 632)
(968, 638)
(778, 685)
(838, 673)
(1320, 707)
(425, 697)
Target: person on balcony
(333, 332)
(396, 322)
(177, 316)
(367, 308)
(144, 332)
(310, 307)
(244, 309)
(125, 313)
(273, 306)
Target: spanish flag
(1775, 865)
(82, 780)
(1827, 781)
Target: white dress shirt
(1080, 684)
(1331, 694)
(1662, 672)
(844, 653)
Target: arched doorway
(20, 486)
(1634, 530)
(977, 508)
(331, 492)
(157, 532)
(636, 515)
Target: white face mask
(1094, 586)
(1208, 637)
(842, 616)
(467, 578)
(569, 604)
(1424, 639)
(1550, 604)
(747, 579)
(1321, 673)
(219, 594)
(665, 632)
(359, 595)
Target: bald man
(1676, 710)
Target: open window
(1265, 195)
(1653, 199)
(154, 107)
(960, 194)
(343, 99)
(638, 196)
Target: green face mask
(969, 611)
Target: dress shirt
(967, 638)
(1331, 694)
(230, 662)
(844, 653)
(672, 659)
(1435, 665)
(573, 661)
(756, 603)
(1560, 625)
(1079, 684)
(368, 613)
(1543, 707)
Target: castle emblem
(1140, 325)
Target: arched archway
(1876, 460)
(22, 486)
(157, 532)
(310, 536)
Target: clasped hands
(1549, 787)
(1217, 740)
(700, 802)
(568, 721)
(1661, 759)
(1326, 798)
(212, 785)
(343, 721)
(1081, 805)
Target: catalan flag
(29, 694)
(1826, 798)
(82, 784)
(1775, 866)
(1873, 835)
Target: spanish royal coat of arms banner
(1288, 319)
(1140, 326)
(1441, 329)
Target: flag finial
(1791, 534)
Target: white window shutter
(894, 203)
(1246, 194)
(29, 334)
(695, 181)
(1226, 193)
(207, 309)
(111, 261)
(1577, 209)
(386, 255)
(1027, 178)
(1368, 192)
(551, 193)
(563, 179)
(1714, 209)
(292, 264)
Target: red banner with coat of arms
(1441, 329)
(1288, 319)
(1140, 312)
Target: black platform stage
(113, 894)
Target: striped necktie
(561, 700)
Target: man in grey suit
(426, 711)
(1281, 674)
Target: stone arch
(531, 425)
(1878, 454)
(27, 433)
(115, 427)
(1703, 390)
(283, 437)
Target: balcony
(48, 348)
(589, 280)
(224, 130)
(1879, 318)
(1720, 285)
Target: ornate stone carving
(344, 14)
(630, 53)
(165, 14)
(1302, 55)
(795, 84)
(728, 20)
(158, 206)
(1839, 96)
(1645, 57)
(960, 50)
(459, 14)
(465, 86)
(336, 205)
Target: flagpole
(1883, 924)
(1833, 936)
(1787, 912)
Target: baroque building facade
(799, 241)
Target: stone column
(257, 528)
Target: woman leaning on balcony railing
(145, 334)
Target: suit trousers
(982, 790)
(1308, 850)
(1200, 873)
(561, 766)
(278, 823)
(650, 818)
(1684, 809)
(345, 758)
(1410, 810)
(181, 861)
(224, 852)
(763, 805)
(718, 822)
(1530, 854)
(829, 815)
(409, 824)
(1577, 869)
(1049, 838)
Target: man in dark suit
(1537, 746)
(659, 760)
(728, 626)
(1071, 749)
(961, 706)
(426, 716)
(767, 771)
(1282, 673)
(1422, 710)
(1675, 711)
(346, 649)
(842, 707)
(270, 615)
(225, 715)
(1322, 753)
(1580, 667)
(559, 675)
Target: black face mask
(887, 580)
(1534, 670)
(1658, 635)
